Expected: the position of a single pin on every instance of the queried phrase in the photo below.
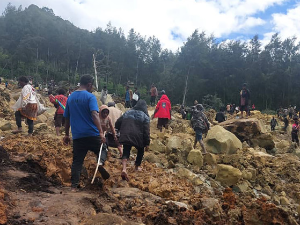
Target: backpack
(199, 122)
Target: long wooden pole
(95, 68)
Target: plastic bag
(41, 107)
(135, 97)
(17, 105)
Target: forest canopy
(34, 42)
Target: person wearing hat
(245, 100)
(163, 111)
(200, 124)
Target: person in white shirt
(28, 106)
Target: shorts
(198, 135)
(59, 120)
(162, 122)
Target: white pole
(95, 68)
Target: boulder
(195, 157)
(245, 129)
(41, 119)
(210, 159)
(221, 141)
(6, 126)
(152, 158)
(185, 173)
(264, 141)
(179, 143)
(228, 175)
(211, 206)
(157, 146)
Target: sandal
(124, 176)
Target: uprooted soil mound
(154, 196)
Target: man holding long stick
(82, 113)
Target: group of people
(92, 126)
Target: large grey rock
(221, 141)
(157, 146)
(245, 129)
(264, 141)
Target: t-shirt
(62, 99)
(79, 109)
(127, 96)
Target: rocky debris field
(250, 176)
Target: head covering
(141, 105)
(163, 92)
(102, 107)
(111, 104)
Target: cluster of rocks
(249, 176)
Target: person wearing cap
(245, 100)
(163, 111)
(200, 124)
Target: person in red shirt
(163, 111)
(58, 117)
(295, 130)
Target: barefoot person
(107, 126)
(200, 125)
(81, 113)
(28, 106)
(134, 127)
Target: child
(107, 126)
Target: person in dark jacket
(245, 100)
(200, 125)
(134, 127)
(274, 123)
(286, 122)
(220, 117)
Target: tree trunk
(95, 68)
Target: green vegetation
(34, 42)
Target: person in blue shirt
(82, 114)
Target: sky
(173, 21)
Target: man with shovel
(82, 113)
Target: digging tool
(99, 162)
